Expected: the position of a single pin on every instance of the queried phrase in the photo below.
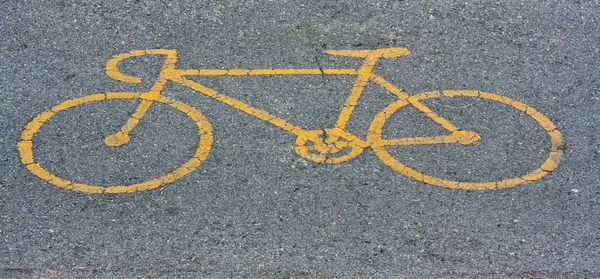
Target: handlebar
(112, 63)
(113, 71)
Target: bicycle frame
(320, 146)
(332, 143)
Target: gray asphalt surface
(255, 208)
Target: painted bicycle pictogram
(329, 145)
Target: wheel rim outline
(550, 164)
(25, 146)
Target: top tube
(265, 72)
(171, 57)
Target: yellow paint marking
(417, 141)
(491, 96)
(45, 175)
(441, 182)
(131, 123)
(352, 100)
(77, 101)
(191, 72)
(43, 116)
(434, 116)
(332, 146)
(535, 175)
(462, 137)
(205, 141)
(192, 163)
(238, 72)
(122, 136)
(25, 149)
(380, 53)
(553, 160)
(258, 113)
(518, 105)
(286, 71)
(427, 95)
(212, 72)
(122, 95)
(181, 172)
(480, 185)
(299, 71)
(141, 110)
(112, 69)
(556, 140)
(34, 125)
(508, 183)
(259, 72)
(468, 93)
(545, 122)
(135, 53)
(265, 72)
(412, 173)
(166, 179)
(339, 71)
(388, 86)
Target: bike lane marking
(364, 73)
(25, 146)
(550, 164)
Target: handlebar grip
(112, 69)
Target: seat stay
(446, 124)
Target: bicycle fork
(122, 136)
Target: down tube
(237, 104)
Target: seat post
(364, 74)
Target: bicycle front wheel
(25, 146)
(381, 145)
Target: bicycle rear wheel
(25, 146)
(379, 144)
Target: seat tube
(364, 73)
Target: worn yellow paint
(462, 137)
(205, 141)
(434, 116)
(381, 53)
(112, 63)
(389, 87)
(25, 149)
(459, 136)
(330, 145)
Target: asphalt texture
(254, 208)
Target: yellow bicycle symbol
(331, 145)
